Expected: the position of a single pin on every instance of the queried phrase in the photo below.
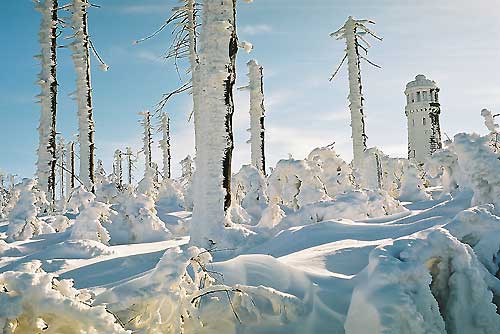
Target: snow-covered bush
(23, 221)
(369, 173)
(271, 216)
(249, 190)
(181, 295)
(333, 171)
(412, 185)
(136, 221)
(426, 283)
(148, 186)
(295, 183)
(89, 223)
(354, 205)
(80, 199)
(186, 181)
(33, 301)
(59, 222)
(479, 227)
(170, 197)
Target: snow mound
(354, 205)
(425, 283)
(34, 301)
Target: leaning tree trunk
(81, 59)
(165, 145)
(46, 164)
(257, 114)
(355, 94)
(213, 120)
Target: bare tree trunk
(165, 145)
(81, 57)
(129, 164)
(70, 166)
(46, 165)
(257, 115)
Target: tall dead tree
(354, 31)
(61, 156)
(70, 166)
(118, 169)
(213, 81)
(147, 140)
(165, 144)
(257, 115)
(130, 165)
(47, 79)
(81, 58)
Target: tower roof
(421, 82)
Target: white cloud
(255, 29)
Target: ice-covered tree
(23, 221)
(257, 114)
(80, 48)
(147, 139)
(61, 164)
(130, 164)
(81, 58)
(46, 163)
(89, 223)
(213, 120)
(489, 121)
(354, 32)
(70, 166)
(118, 168)
(165, 144)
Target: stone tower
(422, 110)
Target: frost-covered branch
(165, 144)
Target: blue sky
(454, 42)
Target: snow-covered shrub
(354, 205)
(23, 221)
(181, 295)
(33, 301)
(425, 283)
(80, 199)
(443, 165)
(295, 183)
(170, 197)
(59, 222)
(271, 216)
(479, 227)
(147, 186)
(136, 221)
(412, 185)
(333, 171)
(106, 191)
(89, 223)
(249, 190)
(392, 174)
(186, 181)
(489, 121)
(369, 173)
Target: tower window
(413, 122)
(424, 121)
(424, 96)
(418, 97)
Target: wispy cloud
(255, 29)
(144, 9)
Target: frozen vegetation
(314, 245)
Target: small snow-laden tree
(354, 31)
(147, 139)
(46, 163)
(34, 301)
(333, 171)
(23, 220)
(186, 181)
(295, 183)
(250, 191)
(182, 295)
(165, 144)
(489, 121)
(170, 197)
(100, 173)
(370, 174)
(216, 73)
(130, 164)
(89, 223)
(136, 221)
(61, 167)
(80, 199)
(118, 168)
(444, 165)
(412, 185)
(257, 115)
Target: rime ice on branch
(257, 114)
(353, 31)
(213, 120)
(46, 164)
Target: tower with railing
(422, 110)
